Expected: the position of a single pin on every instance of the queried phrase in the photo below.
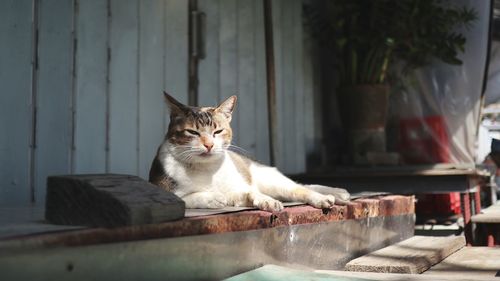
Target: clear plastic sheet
(436, 115)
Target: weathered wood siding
(81, 84)
(235, 64)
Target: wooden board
(228, 57)
(245, 36)
(414, 255)
(91, 82)
(274, 272)
(405, 277)
(109, 200)
(469, 262)
(123, 87)
(16, 104)
(488, 215)
(151, 75)
(208, 68)
(491, 217)
(176, 49)
(54, 126)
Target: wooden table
(440, 178)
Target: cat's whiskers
(236, 148)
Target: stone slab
(414, 255)
(108, 200)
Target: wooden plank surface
(54, 132)
(414, 255)
(16, 104)
(91, 63)
(469, 262)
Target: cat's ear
(227, 107)
(176, 108)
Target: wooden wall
(83, 94)
(235, 63)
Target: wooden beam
(108, 200)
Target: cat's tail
(341, 195)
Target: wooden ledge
(392, 205)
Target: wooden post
(271, 80)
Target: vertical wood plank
(299, 113)
(91, 69)
(246, 76)
(288, 89)
(176, 49)
(54, 92)
(309, 126)
(313, 102)
(208, 71)
(123, 88)
(229, 57)
(278, 7)
(261, 113)
(151, 74)
(15, 101)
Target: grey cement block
(108, 200)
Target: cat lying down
(195, 162)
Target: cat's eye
(218, 132)
(192, 132)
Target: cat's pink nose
(208, 146)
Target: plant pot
(363, 110)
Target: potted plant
(368, 38)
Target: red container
(424, 140)
(438, 204)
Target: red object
(424, 140)
(438, 204)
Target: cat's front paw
(216, 201)
(269, 204)
(322, 201)
(205, 200)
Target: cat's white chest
(222, 177)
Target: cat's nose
(208, 146)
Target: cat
(195, 163)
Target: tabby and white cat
(195, 163)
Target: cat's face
(199, 134)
